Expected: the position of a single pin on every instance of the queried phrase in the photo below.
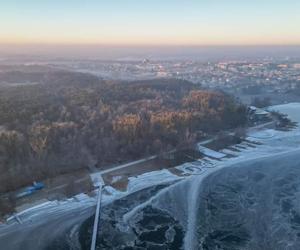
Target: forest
(70, 121)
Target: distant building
(256, 114)
(146, 60)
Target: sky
(150, 22)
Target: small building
(257, 114)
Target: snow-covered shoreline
(273, 143)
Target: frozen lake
(250, 201)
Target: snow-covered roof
(261, 112)
(210, 152)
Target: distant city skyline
(155, 22)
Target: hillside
(71, 121)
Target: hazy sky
(150, 22)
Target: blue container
(38, 185)
(31, 189)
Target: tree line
(72, 120)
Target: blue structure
(31, 189)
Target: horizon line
(152, 45)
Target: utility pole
(97, 217)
